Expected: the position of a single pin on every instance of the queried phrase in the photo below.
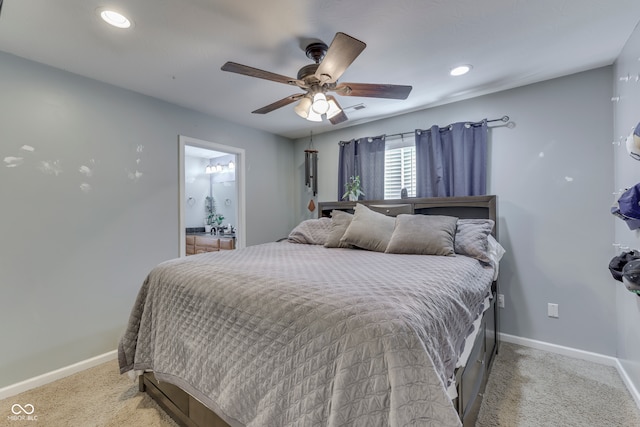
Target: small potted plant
(353, 189)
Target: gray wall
(553, 175)
(79, 227)
(627, 174)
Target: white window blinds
(400, 168)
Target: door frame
(240, 186)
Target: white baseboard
(52, 376)
(559, 349)
(627, 381)
(578, 354)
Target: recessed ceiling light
(114, 18)
(460, 70)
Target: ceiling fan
(322, 77)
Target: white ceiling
(176, 47)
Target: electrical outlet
(552, 310)
(500, 300)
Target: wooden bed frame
(471, 379)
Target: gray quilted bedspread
(286, 334)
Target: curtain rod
(504, 119)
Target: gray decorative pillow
(339, 222)
(369, 230)
(472, 238)
(311, 232)
(423, 235)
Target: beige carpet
(534, 388)
(527, 388)
(97, 397)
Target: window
(400, 168)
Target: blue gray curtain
(452, 161)
(363, 157)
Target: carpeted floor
(527, 387)
(97, 397)
(534, 388)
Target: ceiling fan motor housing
(316, 51)
(307, 74)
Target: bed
(296, 333)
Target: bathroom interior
(210, 200)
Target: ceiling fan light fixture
(303, 107)
(333, 110)
(460, 70)
(320, 104)
(313, 116)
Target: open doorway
(211, 189)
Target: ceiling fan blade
(0, 6)
(278, 104)
(343, 51)
(341, 116)
(373, 90)
(255, 72)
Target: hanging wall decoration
(311, 169)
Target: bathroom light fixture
(114, 18)
(220, 168)
(460, 70)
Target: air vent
(355, 107)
